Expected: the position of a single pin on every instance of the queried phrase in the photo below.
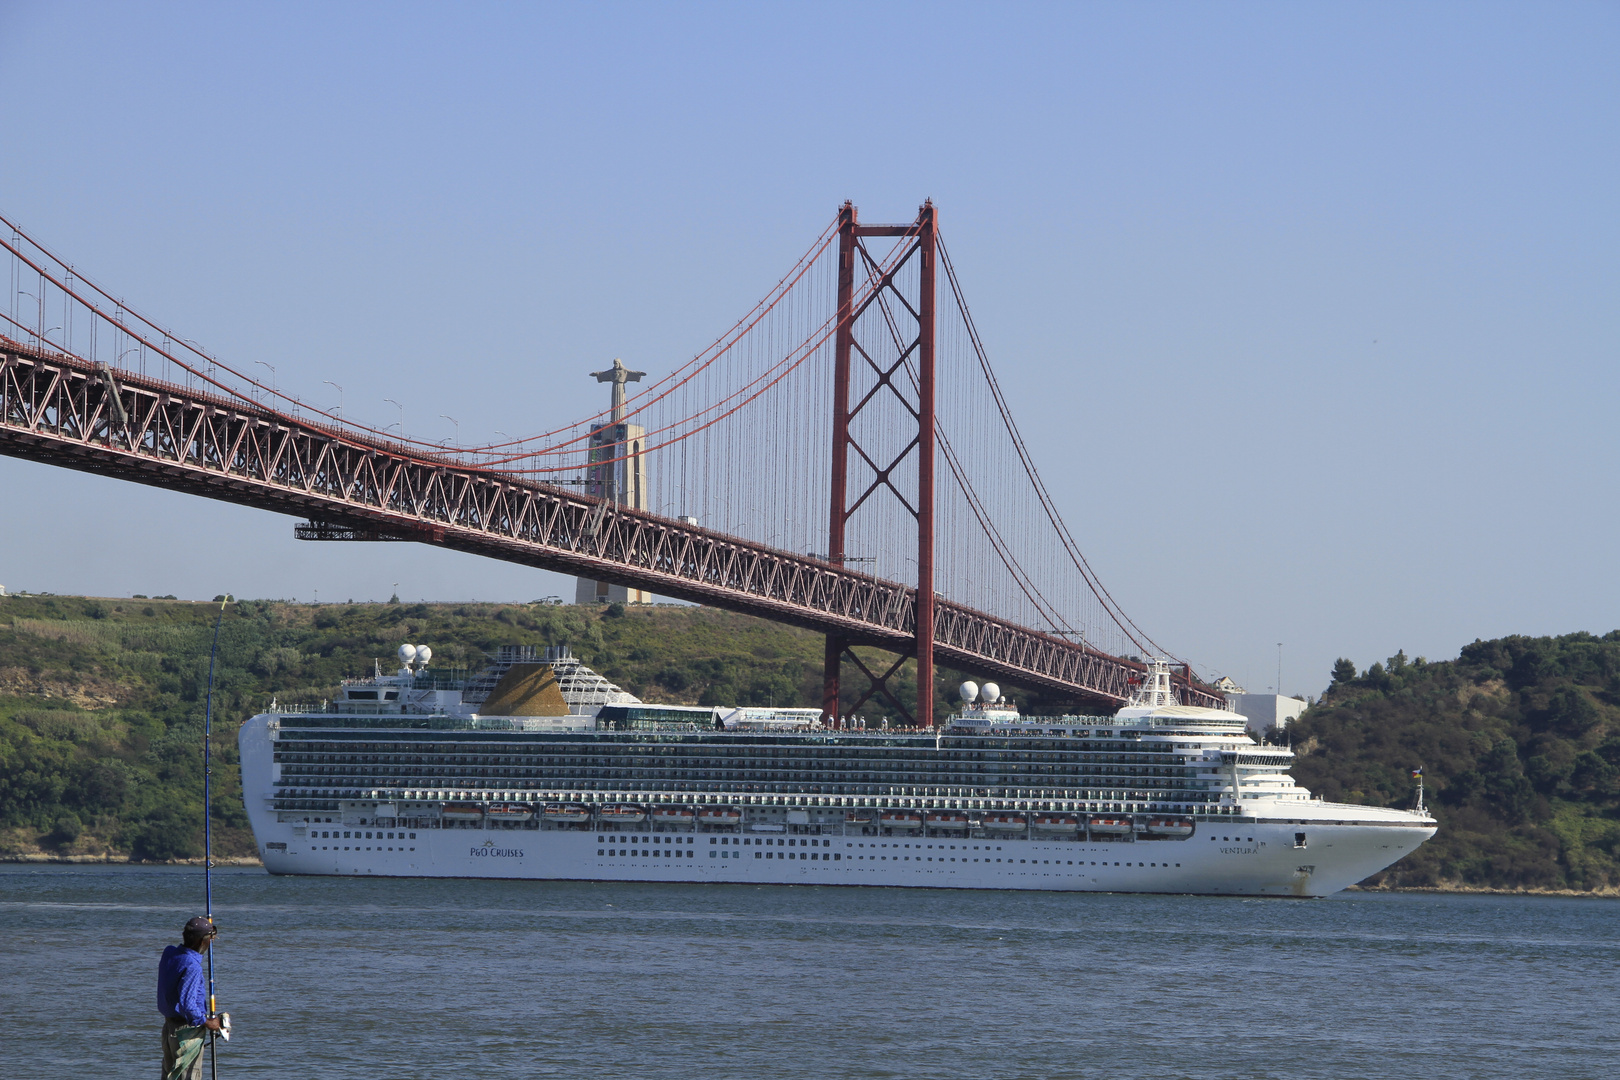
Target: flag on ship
(1417, 773)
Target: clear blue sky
(1348, 272)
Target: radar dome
(423, 654)
(407, 653)
(969, 690)
(991, 692)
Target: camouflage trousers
(182, 1051)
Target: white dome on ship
(990, 692)
(423, 654)
(407, 653)
(969, 690)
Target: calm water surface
(376, 979)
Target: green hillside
(1520, 742)
(101, 700)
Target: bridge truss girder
(61, 410)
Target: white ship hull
(1263, 862)
(1253, 857)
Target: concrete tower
(619, 481)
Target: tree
(171, 833)
(1343, 671)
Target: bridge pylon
(899, 310)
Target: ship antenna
(208, 833)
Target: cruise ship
(540, 768)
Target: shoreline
(1605, 893)
(125, 860)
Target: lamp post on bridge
(40, 303)
(272, 368)
(339, 389)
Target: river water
(379, 978)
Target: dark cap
(198, 928)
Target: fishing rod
(208, 835)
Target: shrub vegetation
(1519, 739)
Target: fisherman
(182, 998)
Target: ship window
(413, 837)
(362, 695)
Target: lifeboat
(719, 815)
(460, 811)
(858, 817)
(1111, 825)
(510, 812)
(1004, 822)
(672, 815)
(567, 813)
(1175, 827)
(953, 820)
(1055, 823)
(622, 814)
(900, 819)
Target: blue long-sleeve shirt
(182, 990)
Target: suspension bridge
(842, 459)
